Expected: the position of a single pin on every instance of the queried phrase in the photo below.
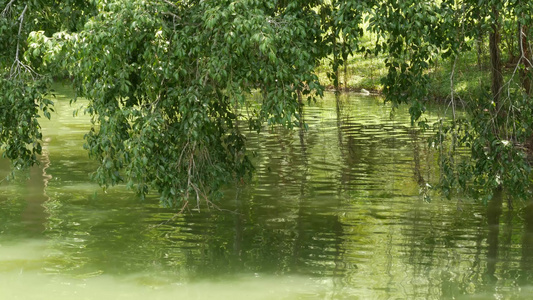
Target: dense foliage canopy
(168, 81)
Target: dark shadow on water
(494, 211)
(526, 262)
(34, 216)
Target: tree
(24, 92)
(166, 82)
(499, 123)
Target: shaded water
(337, 212)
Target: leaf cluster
(168, 82)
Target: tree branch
(21, 19)
(6, 9)
(17, 65)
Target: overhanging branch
(6, 9)
(17, 67)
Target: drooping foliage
(168, 81)
(23, 92)
(498, 126)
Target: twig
(452, 88)
(171, 14)
(170, 3)
(17, 65)
(6, 9)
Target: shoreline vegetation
(166, 75)
(363, 73)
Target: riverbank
(364, 72)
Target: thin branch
(522, 60)
(452, 87)
(21, 19)
(170, 3)
(522, 51)
(6, 9)
(182, 152)
(171, 14)
(17, 65)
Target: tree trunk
(479, 44)
(495, 60)
(346, 74)
(300, 107)
(335, 63)
(526, 73)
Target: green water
(337, 212)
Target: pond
(340, 211)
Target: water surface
(340, 211)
